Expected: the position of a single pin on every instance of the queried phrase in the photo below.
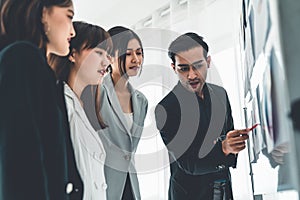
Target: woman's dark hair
(22, 20)
(88, 36)
(120, 37)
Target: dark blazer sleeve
(32, 142)
(167, 120)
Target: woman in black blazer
(37, 160)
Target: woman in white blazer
(85, 66)
(124, 109)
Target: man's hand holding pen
(235, 141)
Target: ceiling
(109, 13)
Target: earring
(47, 28)
(71, 59)
(71, 56)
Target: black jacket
(189, 127)
(37, 160)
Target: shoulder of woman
(22, 47)
(23, 53)
(141, 96)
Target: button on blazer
(120, 141)
(88, 148)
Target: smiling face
(131, 60)
(191, 67)
(58, 28)
(89, 65)
(134, 57)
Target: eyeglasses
(183, 68)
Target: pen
(254, 126)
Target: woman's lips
(101, 71)
(134, 68)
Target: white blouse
(129, 119)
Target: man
(196, 125)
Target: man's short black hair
(185, 42)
